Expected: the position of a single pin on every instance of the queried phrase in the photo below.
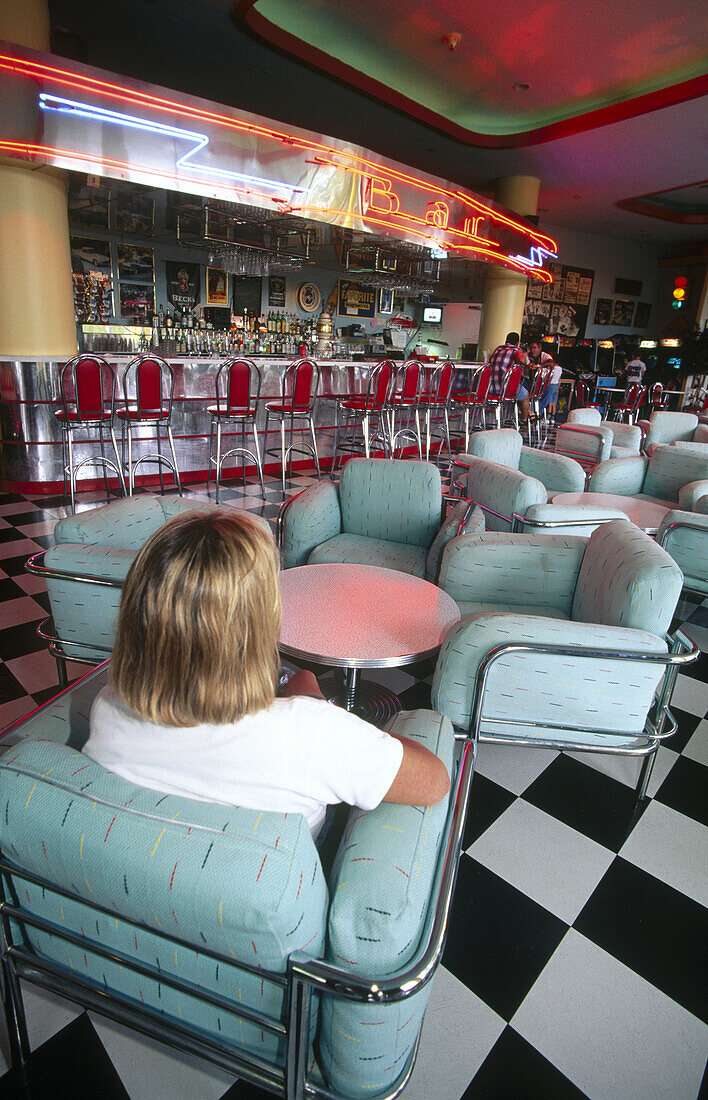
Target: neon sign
(55, 112)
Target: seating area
(557, 681)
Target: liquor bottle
(161, 317)
(168, 320)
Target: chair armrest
(627, 435)
(463, 518)
(642, 424)
(690, 494)
(500, 568)
(623, 476)
(684, 535)
(567, 519)
(501, 491)
(552, 680)
(306, 520)
(558, 472)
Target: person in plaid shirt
(501, 359)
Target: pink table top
(643, 513)
(361, 616)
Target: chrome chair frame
(223, 413)
(665, 536)
(472, 401)
(86, 419)
(156, 422)
(537, 416)
(588, 462)
(437, 407)
(631, 408)
(683, 651)
(372, 417)
(304, 413)
(303, 978)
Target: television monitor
(432, 315)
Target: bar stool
(148, 389)
(435, 404)
(539, 385)
(404, 402)
(630, 406)
(88, 386)
(475, 400)
(366, 411)
(510, 387)
(238, 387)
(298, 391)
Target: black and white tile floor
(575, 963)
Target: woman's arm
(303, 683)
(422, 778)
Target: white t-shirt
(298, 756)
(635, 370)
(556, 374)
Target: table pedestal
(368, 700)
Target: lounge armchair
(589, 439)
(505, 446)
(671, 476)
(382, 513)
(672, 427)
(684, 535)
(212, 927)
(562, 644)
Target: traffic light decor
(680, 292)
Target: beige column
(35, 259)
(505, 290)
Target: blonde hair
(199, 621)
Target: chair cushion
(560, 690)
(231, 414)
(476, 608)
(688, 546)
(497, 445)
(557, 472)
(626, 580)
(670, 468)
(72, 416)
(499, 568)
(501, 491)
(380, 896)
(393, 501)
(168, 863)
(665, 427)
(360, 550)
(126, 523)
(590, 416)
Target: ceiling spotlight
(521, 86)
(452, 40)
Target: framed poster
(89, 254)
(536, 320)
(385, 300)
(217, 287)
(355, 299)
(567, 320)
(136, 301)
(134, 214)
(183, 284)
(136, 262)
(246, 291)
(623, 312)
(88, 206)
(276, 291)
(603, 311)
(641, 315)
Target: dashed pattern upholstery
(499, 489)
(618, 440)
(667, 427)
(448, 530)
(563, 691)
(312, 518)
(670, 468)
(626, 439)
(688, 548)
(103, 542)
(496, 445)
(589, 417)
(360, 550)
(393, 501)
(626, 580)
(584, 513)
(380, 895)
(558, 473)
(595, 447)
(243, 884)
(499, 570)
(168, 863)
(691, 494)
(621, 476)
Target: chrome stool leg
(174, 459)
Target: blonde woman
(191, 707)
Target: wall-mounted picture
(135, 262)
(536, 317)
(89, 254)
(134, 214)
(623, 312)
(567, 320)
(641, 315)
(355, 299)
(88, 206)
(603, 311)
(136, 301)
(385, 300)
(93, 297)
(217, 287)
(276, 290)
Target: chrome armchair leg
(15, 1018)
(174, 458)
(645, 775)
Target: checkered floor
(575, 964)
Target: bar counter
(30, 435)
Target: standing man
(502, 358)
(635, 370)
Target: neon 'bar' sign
(55, 112)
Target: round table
(352, 617)
(643, 513)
